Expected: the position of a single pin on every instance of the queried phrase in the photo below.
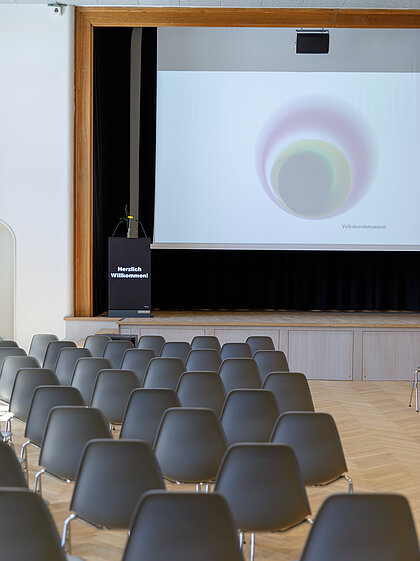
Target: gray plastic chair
(67, 431)
(8, 343)
(51, 353)
(179, 349)
(205, 342)
(249, 416)
(270, 361)
(366, 527)
(66, 361)
(111, 392)
(111, 478)
(235, 350)
(85, 373)
(182, 527)
(39, 345)
(44, 399)
(26, 382)
(163, 372)
(137, 360)
(114, 351)
(9, 370)
(153, 342)
(27, 531)
(314, 438)
(144, 412)
(96, 344)
(11, 474)
(201, 389)
(260, 343)
(203, 359)
(189, 445)
(291, 391)
(6, 352)
(264, 488)
(239, 373)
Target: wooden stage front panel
(323, 345)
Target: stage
(323, 345)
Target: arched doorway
(7, 281)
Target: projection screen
(260, 147)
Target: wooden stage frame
(88, 18)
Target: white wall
(36, 161)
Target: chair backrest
(239, 373)
(314, 438)
(182, 527)
(137, 360)
(260, 343)
(11, 474)
(201, 389)
(291, 390)
(263, 486)
(144, 411)
(85, 373)
(205, 342)
(270, 361)
(203, 359)
(96, 344)
(66, 361)
(366, 527)
(8, 343)
(249, 415)
(112, 476)
(68, 430)
(189, 444)
(163, 372)
(11, 366)
(179, 349)
(43, 400)
(6, 352)
(26, 382)
(114, 351)
(51, 353)
(235, 350)
(27, 530)
(111, 392)
(154, 342)
(39, 345)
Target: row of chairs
(187, 527)
(95, 379)
(261, 488)
(156, 416)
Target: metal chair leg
(252, 553)
(38, 484)
(411, 393)
(66, 537)
(350, 482)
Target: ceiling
(364, 4)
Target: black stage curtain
(241, 280)
(111, 148)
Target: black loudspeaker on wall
(317, 42)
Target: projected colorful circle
(311, 178)
(315, 158)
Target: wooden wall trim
(88, 18)
(83, 172)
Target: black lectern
(128, 277)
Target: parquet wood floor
(381, 440)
